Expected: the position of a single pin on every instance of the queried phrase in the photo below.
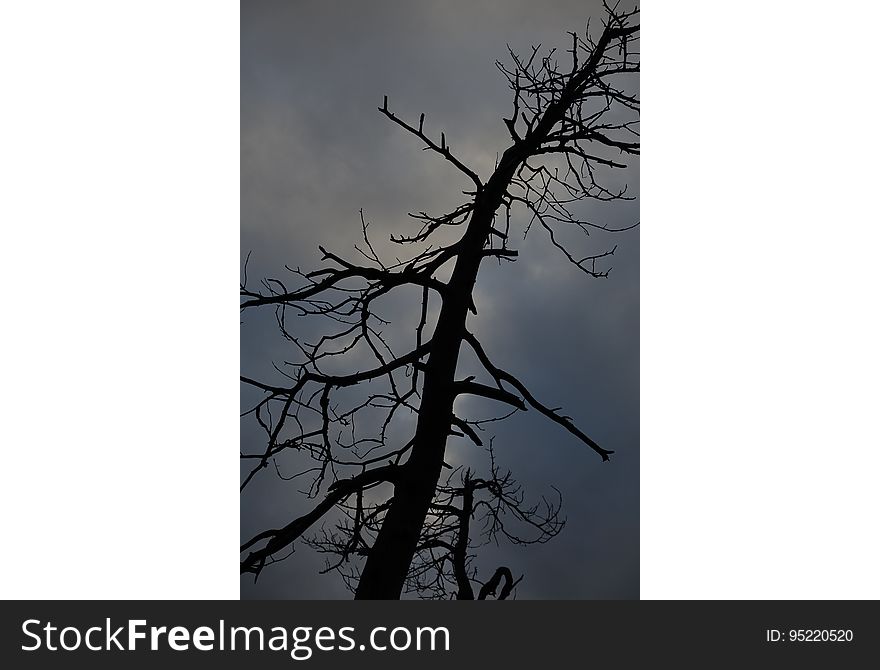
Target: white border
(120, 325)
(760, 326)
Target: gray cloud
(314, 150)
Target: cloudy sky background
(314, 150)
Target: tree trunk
(390, 557)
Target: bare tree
(401, 522)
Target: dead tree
(574, 118)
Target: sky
(315, 150)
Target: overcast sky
(314, 150)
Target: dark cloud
(315, 150)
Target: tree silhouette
(404, 519)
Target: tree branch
(339, 491)
(501, 376)
(442, 149)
